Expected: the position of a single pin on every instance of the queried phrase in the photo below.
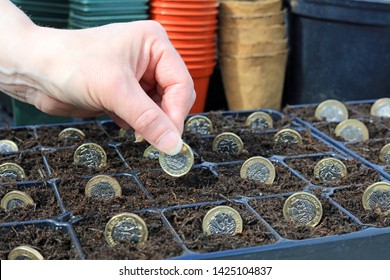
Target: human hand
(130, 71)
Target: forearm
(16, 30)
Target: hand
(129, 70)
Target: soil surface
(72, 191)
(146, 189)
(370, 149)
(46, 204)
(187, 222)
(357, 173)
(61, 164)
(24, 138)
(333, 221)
(160, 244)
(351, 199)
(31, 162)
(48, 135)
(53, 245)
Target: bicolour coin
(330, 170)
(331, 111)
(228, 142)
(222, 220)
(24, 253)
(15, 199)
(384, 154)
(8, 146)
(103, 187)
(71, 133)
(288, 135)
(126, 227)
(381, 108)
(12, 171)
(352, 131)
(303, 208)
(90, 155)
(177, 165)
(199, 124)
(259, 120)
(258, 169)
(377, 196)
(151, 153)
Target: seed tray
(367, 151)
(173, 208)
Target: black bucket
(339, 49)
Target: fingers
(173, 78)
(147, 119)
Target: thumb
(136, 108)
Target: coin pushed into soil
(331, 111)
(288, 135)
(199, 124)
(12, 171)
(24, 253)
(90, 155)
(381, 108)
(228, 142)
(377, 196)
(8, 146)
(352, 131)
(15, 199)
(384, 154)
(126, 227)
(177, 165)
(151, 153)
(71, 133)
(258, 169)
(103, 187)
(259, 120)
(222, 220)
(303, 208)
(330, 170)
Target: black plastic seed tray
(65, 224)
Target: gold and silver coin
(15, 199)
(384, 154)
(381, 108)
(228, 142)
(199, 124)
(90, 155)
(258, 169)
(71, 133)
(8, 146)
(24, 253)
(330, 170)
(303, 208)
(151, 153)
(126, 227)
(352, 131)
(259, 120)
(12, 171)
(288, 135)
(377, 196)
(177, 165)
(222, 220)
(103, 187)
(331, 111)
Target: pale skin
(130, 71)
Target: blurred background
(245, 55)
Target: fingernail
(170, 143)
(139, 139)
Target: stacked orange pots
(192, 29)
